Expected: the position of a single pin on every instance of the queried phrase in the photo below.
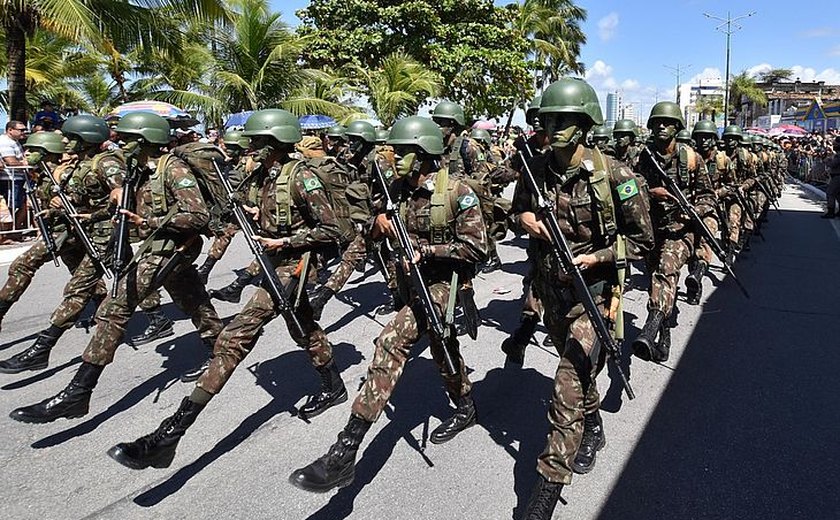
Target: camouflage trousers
(531, 305)
(391, 352)
(703, 251)
(24, 267)
(221, 243)
(671, 252)
(240, 335)
(575, 391)
(760, 202)
(86, 283)
(183, 285)
(355, 253)
(736, 217)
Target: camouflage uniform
(88, 186)
(238, 176)
(312, 225)
(675, 239)
(174, 188)
(717, 166)
(465, 246)
(575, 392)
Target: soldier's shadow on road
(178, 356)
(515, 412)
(418, 397)
(287, 378)
(23, 339)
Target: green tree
(124, 23)
(775, 76)
(397, 87)
(709, 106)
(470, 44)
(743, 89)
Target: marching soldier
(442, 215)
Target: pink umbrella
(788, 130)
(485, 125)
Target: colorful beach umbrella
(177, 118)
(316, 122)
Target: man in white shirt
(12, 179)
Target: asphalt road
(741, 422)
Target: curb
(814, 190)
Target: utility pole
(678, 70)
(726, 27)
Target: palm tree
(397, 87)
(121, 22)
(709, 106)
(324, 92)
(743, 89)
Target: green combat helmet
(419, 131)
(337, 132)
(90, 129)
(235, 138)
(733, 132)
(381, 135)
(279, 124)
(451, 111)
(362, 129)
(479, 134)
(625, 126)
(705, 127)
(684, 136)
(50, 142)
(600, 132)
(533, 111)
(666, 110)
(151, 127)
(572, 95)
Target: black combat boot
(592, 442)
(233, 292)
(37, 356)
(4, 308)
(662, 348)
(493, 263)
(206, 267)
(464, 417)
(159, 327)
(71, 402)
(543, 500)
(318, 300)
(157, 449)
(694, 282)
(338, 467)
(194, 373)
(644, 344)
(515, 345)
(394, 304)
(332, 392)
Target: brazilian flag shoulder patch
(467, 201)
(627, 189)
(186, 182)
(312, 184)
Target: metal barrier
(12, 185)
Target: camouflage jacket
(170, 200)
(311, 223)
(629, 155)
(692, 180)
(466, 240)
(89, 187)
(577, 209)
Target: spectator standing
(12, 179)
(832, 192)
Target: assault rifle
(121, 245)
(271, 282)
(770, 198)
(750, 213)
(695, 218)
(406, 251)
(563, 254)
(40, 219)
(76, 224)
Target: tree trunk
(16, 54)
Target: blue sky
(629, 43)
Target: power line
(726, 27)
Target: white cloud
(805, 74)
(818, 32)
(755, 70)
(707, 75)
(607, 26)
(834, 51)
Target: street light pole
(678, 70)
(727, 29)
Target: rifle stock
(563, 254)
(40, 220)
(121, 245)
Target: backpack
(335, 180)
(200, 157)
